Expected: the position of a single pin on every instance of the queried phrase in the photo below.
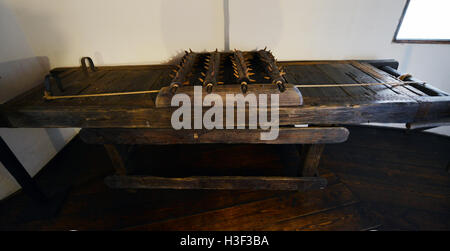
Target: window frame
(414, 41)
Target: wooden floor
(384, 179)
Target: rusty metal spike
(201, 80)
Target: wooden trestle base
(118, 144)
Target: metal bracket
(84, 67)
(47, 83)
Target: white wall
(36, 35)
(118, 31)
(21, 69)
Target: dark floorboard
(385, 179)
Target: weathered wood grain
(259, 214)
(117, 160)
(217, 182)
(312, 135)
(290, 97)
(310, 159)
(349, 105)
(347, 218)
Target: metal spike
(201, 80)
(203, 74)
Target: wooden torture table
(322, 96)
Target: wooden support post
(310, 155)
(17, 170)
(116, 159)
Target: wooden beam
(217, 182)
(399, 111)
(428, 124)
(20, 174)
(290, 97)
(307, 135)
(116, 158)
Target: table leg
(116, 159)
(17, 170)
(310, 158)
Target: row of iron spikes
(280, 68)
(247, 70)
(183, 60)
(180, 65)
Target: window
(424, 21)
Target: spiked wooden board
(290, 97)
(225, 73)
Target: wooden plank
(290, 97)
(336, 73)
(217, 182)
(312, 74)
(385, 77)
(379, 91)
(392, 111)
(310, 135)
(428, 124)
(347, 218)
(258, 214)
